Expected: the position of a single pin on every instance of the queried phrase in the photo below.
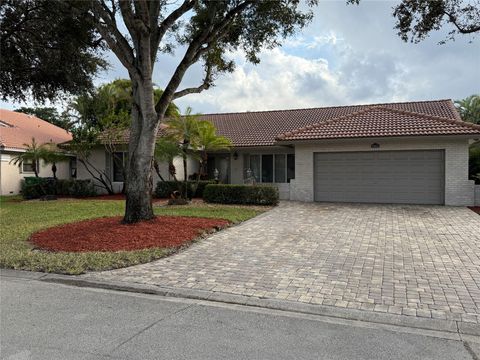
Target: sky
(347, 55)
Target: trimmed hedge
(34, 188)
(241, 194)
(166, 188)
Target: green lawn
(19, 219)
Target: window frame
(22, 168)
(73, 167)
(123, 159)
(260, 156)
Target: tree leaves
(48, 49)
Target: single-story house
(410, 152)
(18, 129)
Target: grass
(19, 219)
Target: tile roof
(381, 121)
(261, 128)
(17, 129)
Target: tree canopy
(109, 106)
(416, 19)
(49, 48)
(469, 108)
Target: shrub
(241, 194)
(165, 188)
(80, 188)
(34, 188)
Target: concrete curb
(450, 326)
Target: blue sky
(347, 55)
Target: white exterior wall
(12, 175)
(237, 166)
(98, 159)
(458, 189)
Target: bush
(241, 194)
(34, 188)
(166, 188)
(80, 188)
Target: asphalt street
(51, 321)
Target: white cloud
(283, 81)
(279, 81)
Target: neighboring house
(17, 129)
(412, 153)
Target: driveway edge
(450, 326)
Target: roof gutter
(405, 137)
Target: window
(119, 159)
(280, 176)
(290, 167)
(27, 166)
(255, 166)
(73, 167)
(269, 168)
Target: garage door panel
(380, 177)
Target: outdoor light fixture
(375, 146)
(216, 173)
(235, 155)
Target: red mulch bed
(475, 208)
(108, 234)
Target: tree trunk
(34, 166)
(139, 179)
(185, 178)
(54, 171)
(157, 169)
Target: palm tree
(51, 154)
(207, 141)
(469, 109)
(188, 136)
(184, 130)
(166, 150)
(33, 153)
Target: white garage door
(403, 177)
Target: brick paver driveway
(413, 260)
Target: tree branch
(166, 24)
(461, 28)
(128, 16)
(199, 46)
(207, 83)
(114, 38)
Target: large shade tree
(137, 32)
